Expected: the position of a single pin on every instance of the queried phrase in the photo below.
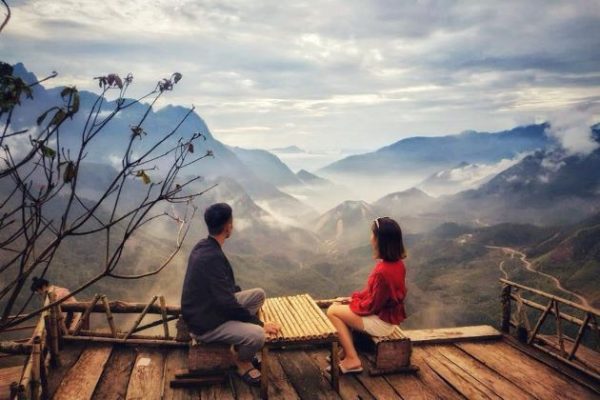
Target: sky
(331, 76)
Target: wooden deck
(492, 369)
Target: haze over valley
(473, 206)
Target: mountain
(347, 225)
(311, 179)
(408, 202)
(463, 176)
(109, 146)
(289, 150)
(546, 188)
(426, 155)
(267, 166)
(573, 256)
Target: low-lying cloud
(572, 129)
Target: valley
(474, 207)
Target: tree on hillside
(41, 201)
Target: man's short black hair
(216, 217)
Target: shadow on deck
(494, 369)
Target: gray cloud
(325, 74)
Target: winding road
(529, 267)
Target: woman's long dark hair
(388, 235)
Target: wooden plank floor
(466, 370)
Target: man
(214, 307)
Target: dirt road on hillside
(513, 252)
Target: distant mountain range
(463, 176)
(427, 155)
(109, 146)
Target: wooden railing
(33, 380)
(128, 335)
(559, 344)
(42, 349)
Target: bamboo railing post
(86, 315)
(52, 333)
(538, 325)
(141, 317)
(109, 316)
(579, 336)
(34, 381)
(163, 308)
(62, 326)
(561, 342)
(596, 329)
(506, 309)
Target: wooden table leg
(264, 375)
(335, 367)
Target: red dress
(384, 294)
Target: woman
(378, 308)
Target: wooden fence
(559, 344)
(43, 347)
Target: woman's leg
(342, 317)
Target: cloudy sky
(333, 76)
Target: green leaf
(48, 152)
(59, 117)
(71, 95)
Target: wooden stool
(208, 363)
(210, 358)
(389, 354)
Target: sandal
(250, 380)
(344, 371)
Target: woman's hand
(342, 300)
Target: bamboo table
(302, 323)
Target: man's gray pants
(248, 338)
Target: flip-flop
(356, 370)
(252, 381)
(345, 371)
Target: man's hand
(271, 328)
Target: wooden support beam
(551, 297)
(130, 341)
(540, 307)
(579, 336)
(540, 321)
(155, 323)
(141, 317)
(120, 335)
(86, 315)
(34, 381)
(163, 308)
(506, 309)
(589, 372)
(9, 347)
(109, 316)
(64, 330)
(120, 307)
(559, 334)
